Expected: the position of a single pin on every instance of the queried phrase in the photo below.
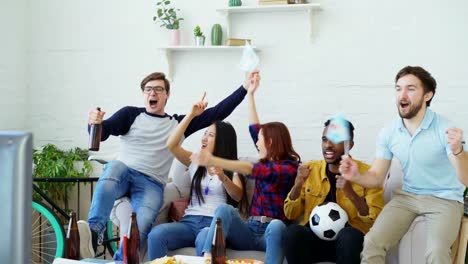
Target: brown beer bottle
(133, 245)
(218, 247)
(72, 243)
(95, 135)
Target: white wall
(94, 53)
(13, 79)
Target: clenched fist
(454, 139)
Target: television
(15, 196)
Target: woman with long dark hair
(210, 187)
(274, 176)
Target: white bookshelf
(202, 48)
(270, 8)
(168, 50)
(309, 8)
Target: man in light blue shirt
(435, 168)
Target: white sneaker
(86, 243)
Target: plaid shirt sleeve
(273, 181)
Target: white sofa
(410, 250)
(178, 187)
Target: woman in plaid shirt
(274, 177)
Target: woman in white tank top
(210, 187)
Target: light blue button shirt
(424, 156)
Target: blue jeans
(171, 236)
(117, 180)
(250, 235)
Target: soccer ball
(327, 219)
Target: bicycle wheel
(112, 238)
(48, 240)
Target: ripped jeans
(117, 180)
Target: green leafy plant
(197, 32)
(52, 162)
(166, 15)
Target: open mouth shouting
(153, 103)
(404, 105)
(330, 155)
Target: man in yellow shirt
(317, 182)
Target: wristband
(459, 152)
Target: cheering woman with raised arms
(211, 186)
(274, 176)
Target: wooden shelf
(309, 8)
(168, 50)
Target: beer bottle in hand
(218, 248)
(95, 132)
(72, 242)
(133, 245)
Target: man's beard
(413, 110)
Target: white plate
(190, 259)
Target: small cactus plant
(197, 32)
(216, 35)
(235, 2)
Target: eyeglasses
(156, 89)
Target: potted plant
(52, 162)
(166, 16)
(199, 37)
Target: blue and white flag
(249, 60)
(338, 129)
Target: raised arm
(373, 178)
(233, 187)
(173, 142)
(204, 158)
(254, 78)
(220, 111)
